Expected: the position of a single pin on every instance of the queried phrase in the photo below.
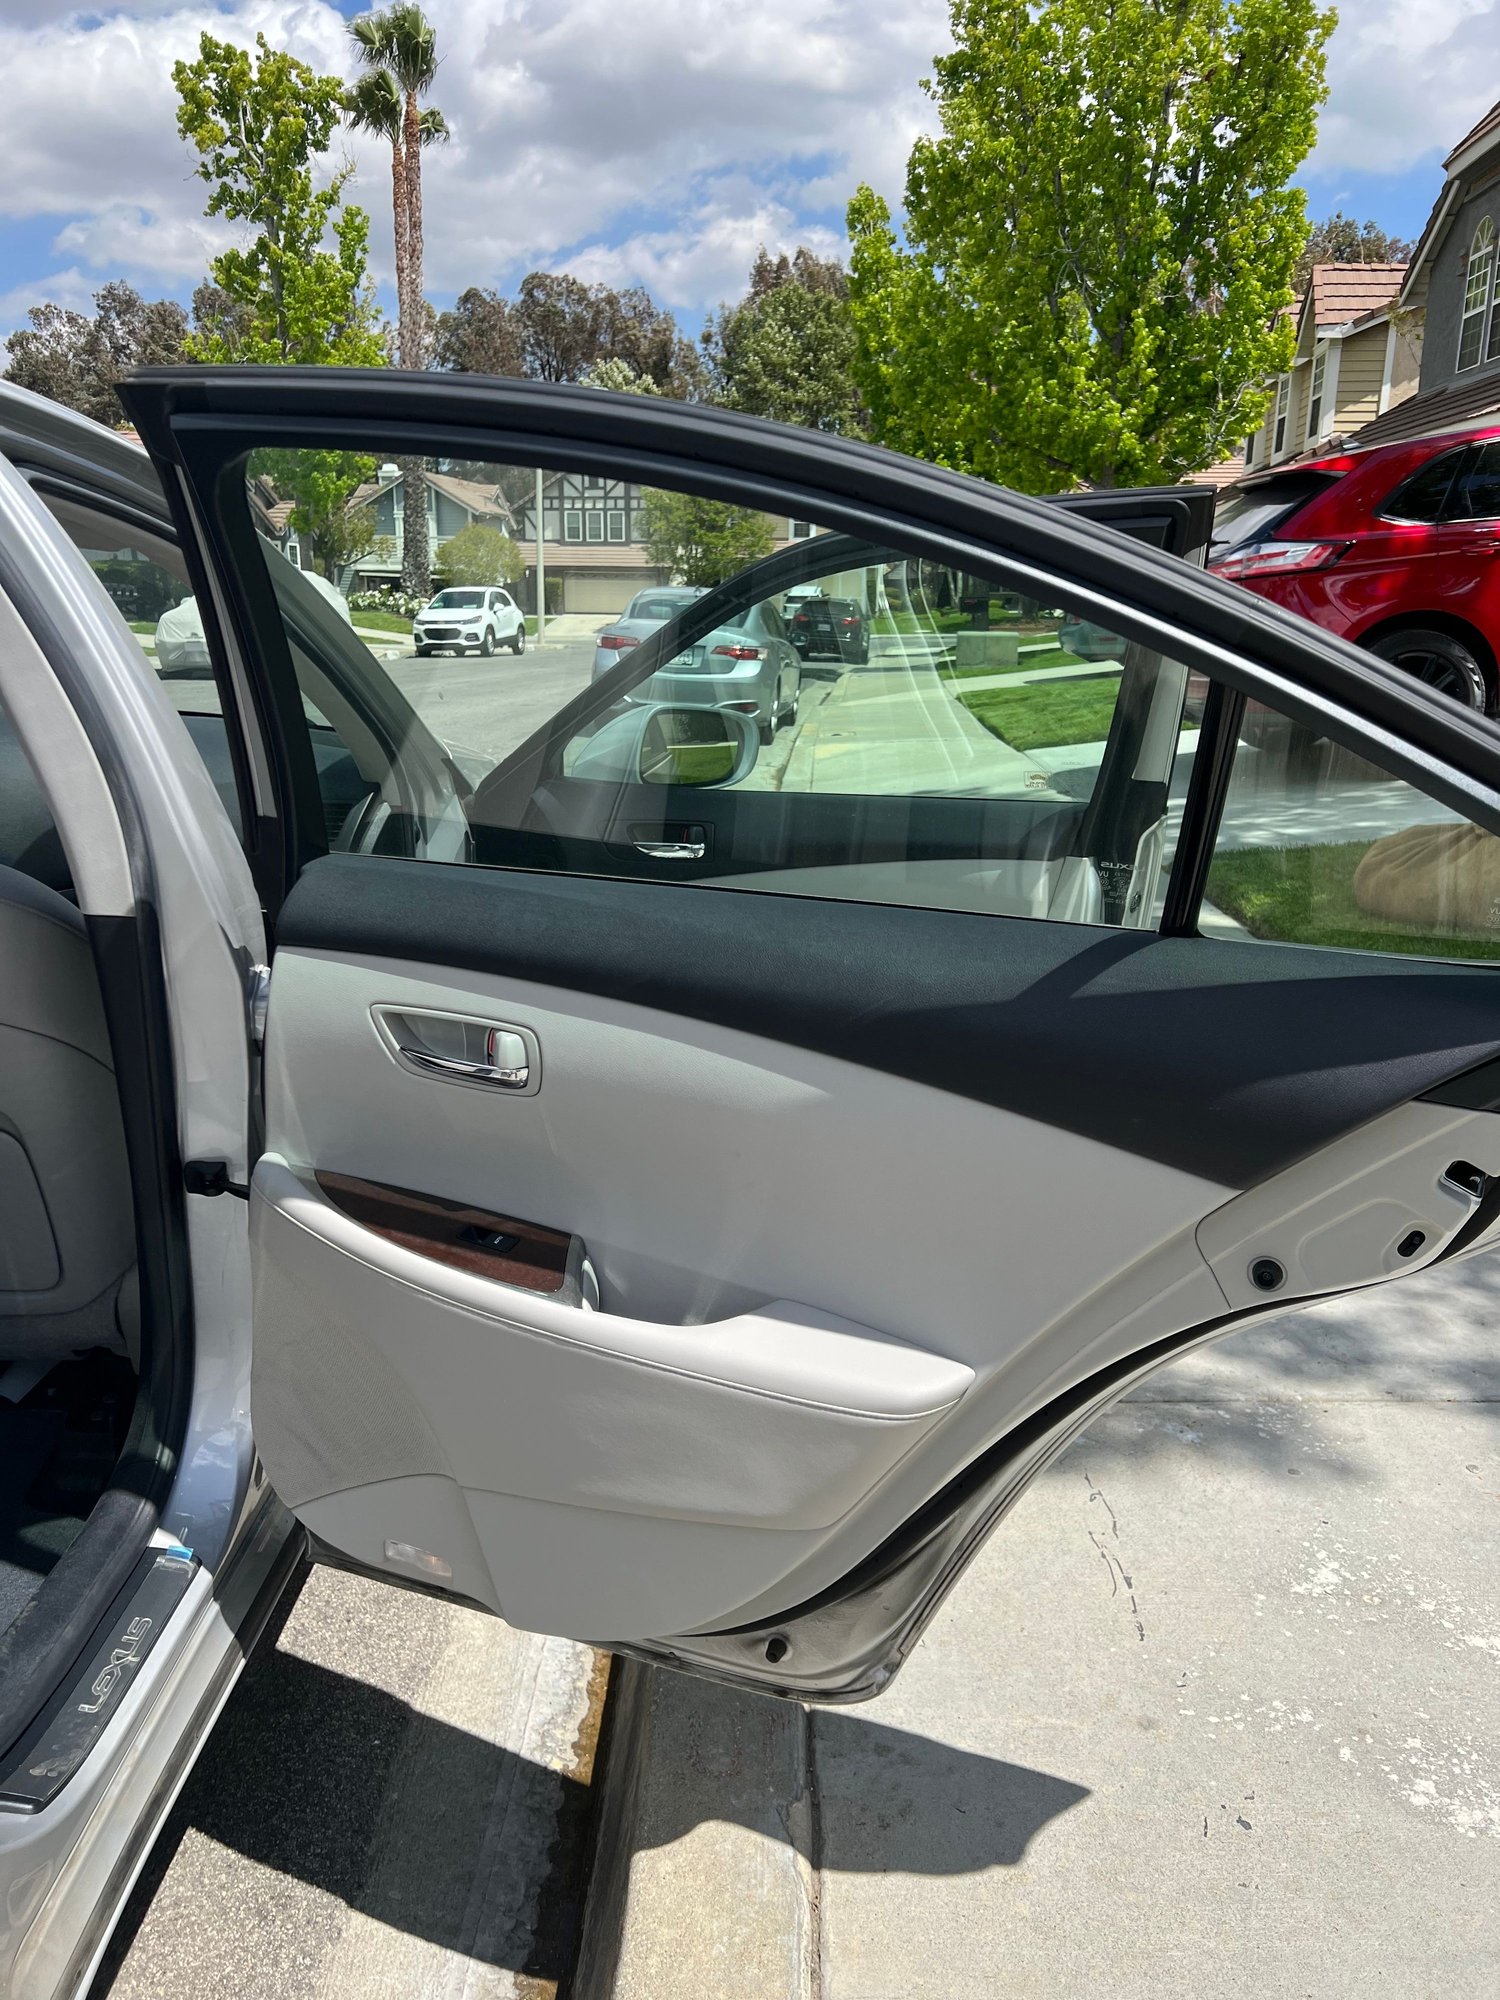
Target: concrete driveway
(1216, 1712)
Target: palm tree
(398, 52)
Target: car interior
(69, 1314)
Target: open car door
(731, 1117)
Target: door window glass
(861, 723)
(1319, 847)
(1425, 496)
(1476, 493)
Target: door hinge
(212, 1177)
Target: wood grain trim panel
(451, 1232)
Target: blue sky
(650, 141)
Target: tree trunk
(416, 561)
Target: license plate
(688, 661)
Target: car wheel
(518, 641)
(768, 728)
(424, 652)
(1439, 661)
(487, 643)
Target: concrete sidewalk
(1216, 1711)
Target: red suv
(1396, 547)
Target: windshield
(458, 600)
(666, 604)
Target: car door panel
(883, 1200)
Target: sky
(630, 141)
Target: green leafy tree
(1098, 245)
(621, 377)
(702, 542)
(259, 123)
(480, 555)
(1341, 240)
(479, 336)
(398, 49)
(787, 350)
(77, 358)
(566, 328)
(320, 485)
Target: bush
(554, 596)
(400, 603)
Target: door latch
(212, 1177)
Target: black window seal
(1202, 810)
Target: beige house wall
(1361, 371)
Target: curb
(703, 1885)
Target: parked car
(748, 665)
(1396, 547)
(182, 650)
(822, 628)
(1088, 641)
(646, 613)
(464, 619)
(599, 1166)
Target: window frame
(1281, 414)
(1158, 601)
(1479, 313)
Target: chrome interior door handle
(468, 1072)
(677, 843)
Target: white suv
(466, 619)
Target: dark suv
(830, 628)
(1396, 547)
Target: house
(1356, 357)
(453, 503)
(593, 542)
(1450, 287)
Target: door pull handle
(506, 1065)
(672, 843)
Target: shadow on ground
(299, 1774)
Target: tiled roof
(1489, 123)
(1450, 407)
(1218, 475)
(1342, 292)
(481, 500)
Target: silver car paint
(212, 933)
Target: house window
(801, 531)
(1315, 395)
(1250, 449)
(572, 524)
(1479, 286)
(593, 485)
(1283, 405)
(595, 523)
(615, 521)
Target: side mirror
(696, 746)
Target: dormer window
(1479, 299)
(1315, 395)
(1283, 405)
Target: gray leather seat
(67, 1230)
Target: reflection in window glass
(906, 733)
(1319, 847)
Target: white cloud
(653, 141)
(1406, 78)
(583, 129)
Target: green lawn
(1046, 715)
(1305, 895)
(146, 625)
(382, 621)
(909, 622)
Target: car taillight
(1281, 559)
(742, 707)
(801, 619)
(736, 652)
(851, 621)
(617, 642)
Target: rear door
(704, 1179)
